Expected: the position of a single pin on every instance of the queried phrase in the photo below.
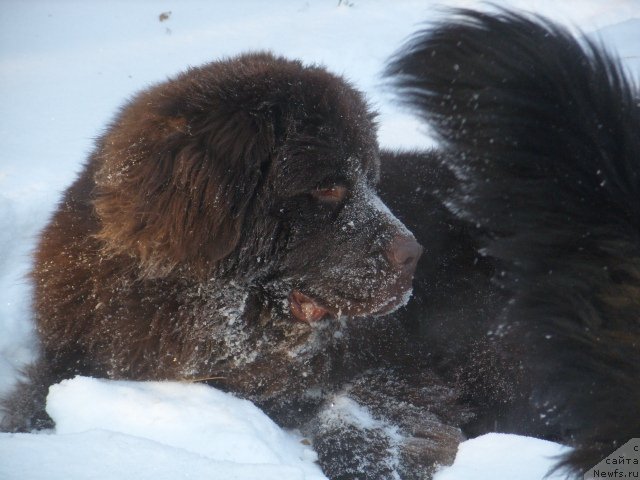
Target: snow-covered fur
(226, 230)
(540, 136)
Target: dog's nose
(404, 252)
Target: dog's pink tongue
(304, 308)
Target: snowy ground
(167, 431)
(65, 67)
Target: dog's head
(260, 171)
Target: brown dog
(225, 229)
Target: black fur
(542, 131)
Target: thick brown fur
(211, 201)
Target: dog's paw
(355, 443)
(348, 452)
(427, 449)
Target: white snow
(65, 67)
(167, 430)
(498, 456)
(101, 424)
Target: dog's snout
(404, 252)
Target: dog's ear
(174, 189)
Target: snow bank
(154, 430)
(498, 456)
(104, 455)
(168, 430)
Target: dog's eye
(330, 195)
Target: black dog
(226, 229)
(540, 171)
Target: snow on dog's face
(260, 171)
(344, 252)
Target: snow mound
(155, 430)
(169, 430)
(103, 455)
(498, 456)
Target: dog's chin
(312, 308)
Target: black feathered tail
(543, 131)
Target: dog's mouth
(305, 308)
